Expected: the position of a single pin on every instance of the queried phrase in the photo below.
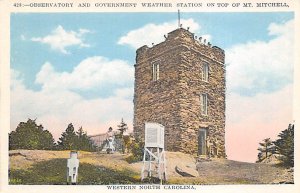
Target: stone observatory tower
(180, 83)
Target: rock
(272, 159)
(182, 173)
(16, 154)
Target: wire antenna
(178, 18)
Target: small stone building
(180, 83)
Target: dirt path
(228, 171)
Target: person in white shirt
(110, 140)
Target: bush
(137, 152)
(29, 135)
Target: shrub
(137, 152)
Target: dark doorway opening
(202, 134)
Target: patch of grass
(54, 172)
(46, 172)
(282, 165)
(101, 175)
(132, 159)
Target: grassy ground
(54, 172)
(49, 167)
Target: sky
(79, 68)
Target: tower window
(155, 71)
(203, 104)
(205, 72)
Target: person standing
(110, 141)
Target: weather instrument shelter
(154, 159)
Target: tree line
(283, 147)
(30, 135)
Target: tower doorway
(202, 135)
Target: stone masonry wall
(174, 99)
(191, 86)
(157, 101)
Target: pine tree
(266, 149)
(284, 146)
(68, 139)
(84, 142)
(122, 127)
